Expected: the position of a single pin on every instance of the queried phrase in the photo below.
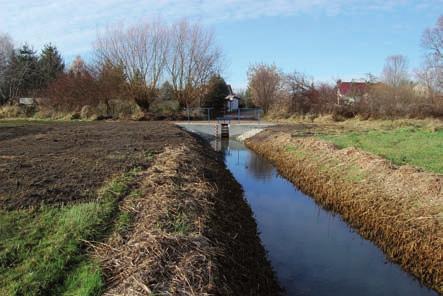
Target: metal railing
(208, 114)
(245, 114)
(198, 113)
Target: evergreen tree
(23, 72)
(112, 82)
(246, 99)
(50, 64)
(140, 91)
(217, 90)
(166, 92)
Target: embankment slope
(193, 232)
(398, 208)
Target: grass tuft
(85, 279)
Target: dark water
(312, 251)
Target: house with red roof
(351, 92)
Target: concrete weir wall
(207, 129)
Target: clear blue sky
(327, 39)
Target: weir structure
(222, 128)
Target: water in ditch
(313, 251)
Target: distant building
(351, 92)
(232, 101)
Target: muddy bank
(398, 208)
(192, 232)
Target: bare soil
(190, 232)
(67, 162)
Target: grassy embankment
(415, 146)
(400, 208)
(43, 249)
(402, 141)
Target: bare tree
(78, 67)
(6, 51)
(141, 50)
(151, 53)
(430, 77)
(192, 60)
(327, 95)
(265, 82)
(432, 39)
(431, 73)
(395, 71)
(297, 85)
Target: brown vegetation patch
(398, 208)
(66, 162)
(193, 233)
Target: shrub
(123, 109)
(15, 111)
(88, 112)
(167, 107)
(75, 116)
(341, 113)
(8, 111)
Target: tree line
(162, 68)
(158, 66)
(23, 72)
(394, 93)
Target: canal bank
(396, 208)
(187, 230)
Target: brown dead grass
(193, 233)
(398, 208)
(326, 124)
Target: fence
(244, 114)
(208, 114)
(198, 113)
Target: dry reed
(398, 208)
(193, 233)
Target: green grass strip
(415, 146)
(42, 250)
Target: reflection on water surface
(313, 251)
